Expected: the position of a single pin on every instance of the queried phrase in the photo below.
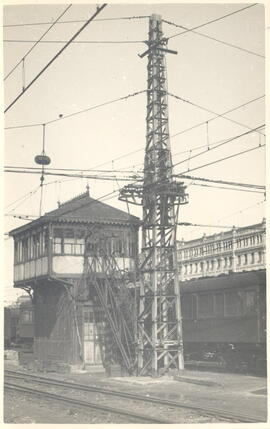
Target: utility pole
(160, 340)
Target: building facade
(233, 251)
(49, 264)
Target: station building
(49, 265)
(233, 251)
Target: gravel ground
(227, 391)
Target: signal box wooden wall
(48, 262)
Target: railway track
(78, 402)
(221, 415)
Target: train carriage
(224, 320)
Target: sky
(205, 72)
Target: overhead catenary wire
(26, 197)
(202, 25)
(207, 185)
(217, 116)
(72, 169)
(87, 109)
(186, 130)
(237, 185)
(142, 148)
(28, 193)
(211, 147)
(218, 145)
(99, 9)
(36, 42)
(214, 39)
(82, 176)
(20, 198)
(203, 225)
(75, 41)
(241, 210)
(213, 20)
(221, 159)
(216, 161)
(121, 18)
(224, 182)
(210, 111)
(103, 198)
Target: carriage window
(186, 305)
(205, 305)
(233, 304)
(27, 316)
(219, 304)
(250, 301)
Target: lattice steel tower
(160, 344)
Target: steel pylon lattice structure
(160, 344)
(106, 284)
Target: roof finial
(87, 188)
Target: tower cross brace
(159, 342)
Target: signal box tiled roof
(83, 209)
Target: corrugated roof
(83, 208)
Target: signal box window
(68, 241)
(57, 240)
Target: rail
(218, 413)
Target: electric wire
(28, 193)
(36, 42)
(218, 145)
(226, 188)
(20, 198)
(76, 41)
(81, 176)
(27, 196)
(220, 115)
(212, 21)
(222, 159)
(211, 111)
(186, 130)
(215, 39)
(122, 18)
(203, 225)
(242, 210)
(78, 112)
(99, 9)
(224, 182)
(139, 150)
(72, 169)
(103, 198)
(180, 175)
(210, 147)
(217, 116)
